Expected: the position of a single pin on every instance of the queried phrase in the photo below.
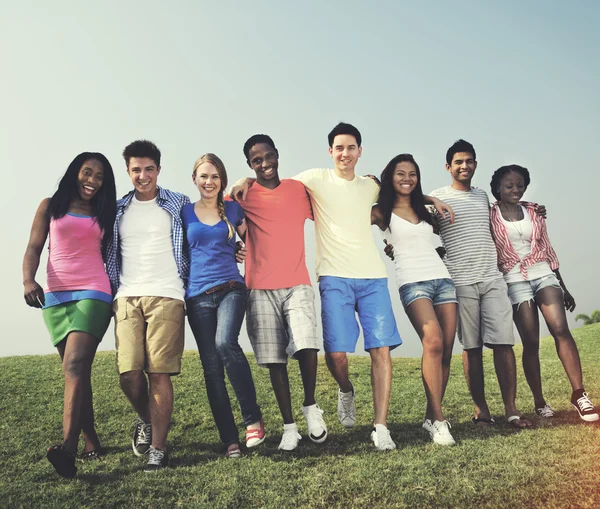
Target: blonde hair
(218, 164)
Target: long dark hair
(387, 194)
(103, 203)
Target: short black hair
(503, 170)
(142, 148)
(343, 128)
(460, 146)
(255, 140)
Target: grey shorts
(281, 323)
(485, 315)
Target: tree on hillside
(588, 320)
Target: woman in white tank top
(426, 289)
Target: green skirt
(87, 315)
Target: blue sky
(519, 80)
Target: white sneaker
(290, 438)
(317, 430)
(440, 432)
(346, 408)
(427, 425)
(381, 438)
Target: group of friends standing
(155, 257)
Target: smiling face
(405, 178)
(512, 188)
(89, 179)
(462, 168)
(143, 173)
(264, 160)
(345, 152)
(207, 180)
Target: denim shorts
(438, 291)
(524, 291)
(342, 299)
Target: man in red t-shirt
(281, 318)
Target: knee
(561, 332)
(76, 366)
(336, 358)
(433, 345)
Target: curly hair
(255, 140)
(504, 170)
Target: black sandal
(94, 454)
(62, 460)
(483, 420)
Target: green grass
(555, 465)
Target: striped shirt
(170, 201)
(470, 250)
(541, 249)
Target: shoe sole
(320, 439)
(586, 418)
(444, 443)
(255, 442)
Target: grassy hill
(554, 465)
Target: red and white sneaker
(256, 436)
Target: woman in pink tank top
(78, 219)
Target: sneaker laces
(290, 438)
(442, 427)
(384, 439)
(155, 456)
(585, 403)
(347, 399)
(144, 432)
(315, 416)
(545, 411)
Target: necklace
(514, 223)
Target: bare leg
(528, 325)
(473, 366)
(161, 407)
(307, 361)
(446, 314)
(424, 320)
(337, 362)
(381, 382)
(90, 438)
(550, 301)
(281, 386)
(77, 356)
(135, 387)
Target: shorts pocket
(120, 309)
(172, 310)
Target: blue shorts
(342, 298)
(524, 291)
(438, 291)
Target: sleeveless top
(75, 268)
(415, 257)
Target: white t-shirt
(342, 211)
(470, 249)
(415, 257)
(148, 266)
(520, 234)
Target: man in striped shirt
(484, 310)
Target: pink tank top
(75, 261)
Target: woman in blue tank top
(426, 289)
(216, 302)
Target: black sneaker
(157, 459)
(142, 437)
(583, 404)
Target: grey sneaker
(157, 459)
(346, 408)
(381, 438)
(142, 437)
